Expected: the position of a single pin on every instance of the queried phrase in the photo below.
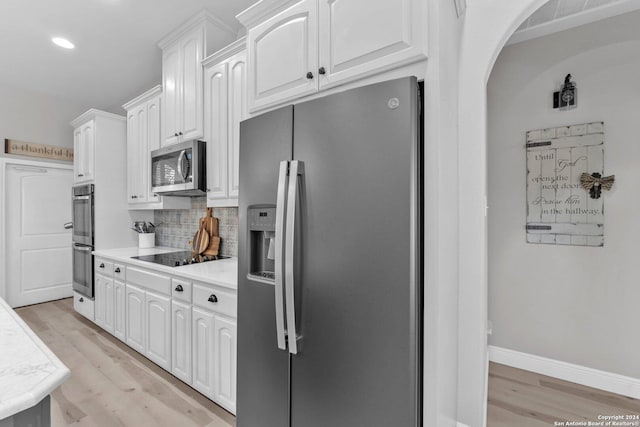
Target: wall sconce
(567, 97)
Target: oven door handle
(82, 248)
(183, 153)
(68, 225)
(81, 197)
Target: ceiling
(559, 15)
(116, 56)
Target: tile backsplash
(176, 227)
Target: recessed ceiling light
(63, 42)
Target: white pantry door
(38, 251)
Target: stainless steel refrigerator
(329, 262)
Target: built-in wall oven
(82, 237)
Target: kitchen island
(29, 372)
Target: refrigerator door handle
(279, 277)
(296, 171)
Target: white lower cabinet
(158, 329)
(181, 340)
(224, 360)
(187, 328)
(203, 350)
(119, 319)
(135, 315)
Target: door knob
(179, 288)
(322, 71)
(117, 270)
(213, 298)
(309, 75)
(180, 133)
(101, 265)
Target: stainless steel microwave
(180, 169)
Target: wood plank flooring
(111, 384)
(520, 398)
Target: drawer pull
(117, 270)
(81, 299)
(179, 288)
(102, 265)
(213, 298)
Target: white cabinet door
(203, 353)
(191, 51)
(171, 94)
(158, 329)
(99, 295)
(225, 361)
(119, 317)
(237, 94)
(84, 146)
(283, 56)
(135, 317)
(215, 111)
(361, 37)
(154, 132)
(77, 158)
(136, 138)
(109, 305)
(181, 340)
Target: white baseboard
(614, 383)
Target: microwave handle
(180, 159)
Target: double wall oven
(83, 239)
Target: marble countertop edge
(40, 389)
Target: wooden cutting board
(210, 223)
(200, 241)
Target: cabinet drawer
(103, 267)
(83, 305)
(181, 290)
(223, 302)
(118, 271)
(146, 279)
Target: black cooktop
(176, 259)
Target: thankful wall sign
(43, 151)
(559, 209)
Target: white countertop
(223, 272)
(29, 371)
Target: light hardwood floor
(111, 384)
(520, 398)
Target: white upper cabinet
(84, 152)
(225, 107)
(143, 136)
(182, 77)
(358, 36)
(283, 56)
(317, 44)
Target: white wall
(570, 303)
(33, 117)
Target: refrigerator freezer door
(263, 369)
(358, 362)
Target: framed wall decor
(559, 209)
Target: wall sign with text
(559, 209)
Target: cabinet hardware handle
(175, 134)
(80, 174)
(117, 270)
(322, 71)
(309, 75)
(101, 265)
(179, 288)
(179, 133)
(213, 298)
(81, 299)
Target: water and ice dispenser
(262, 237)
